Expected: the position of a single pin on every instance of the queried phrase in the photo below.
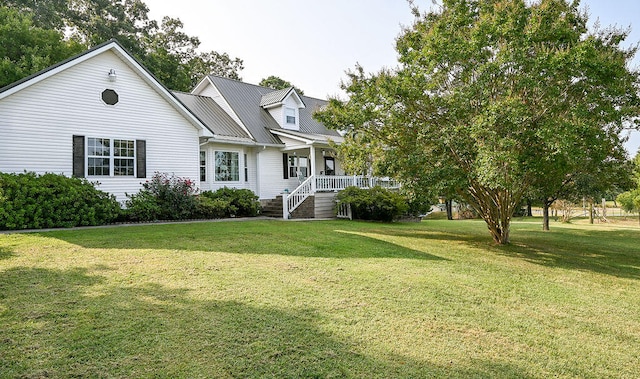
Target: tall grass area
(327, 299)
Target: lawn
(323, 299)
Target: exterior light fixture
(112, 75)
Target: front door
(329, 166)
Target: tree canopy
(25, 48)
(277, 83)
(163, 47)
(493, 99)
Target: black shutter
(141, 159)
(285, 165)
(78, 157)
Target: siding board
(37, 124)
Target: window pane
(293, 172)
(98, 147)
(227, 166)
(203, 166)
(290, 114)
(98, 166)
(123, 148)
(123, 167)
(303, 169)
(246, 169)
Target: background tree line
(36, 34)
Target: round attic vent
(110, 97)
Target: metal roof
(275, 97)
(308, 124)
(216, 119)
(309, 138)
(245, 99)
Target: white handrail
(293, 200)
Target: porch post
(285, 206)
(312, 167)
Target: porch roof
(308, 138)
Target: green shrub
(31, 201)
(142, 206)
(214, 208)
(244, 203)
(163, 197)
(376, 203)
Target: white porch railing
(344, 211)
(338, 183)
(331, 183)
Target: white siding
(270, 171)
(37, 123)
(278, 114)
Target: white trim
(112, 157)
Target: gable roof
(214, 117)
(277, 98)
(247, 101)
(115, 47)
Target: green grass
(322, 300)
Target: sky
(312, 43)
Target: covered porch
(311, 166)
(327, 184)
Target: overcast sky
(311, 43)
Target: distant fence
(611, 212)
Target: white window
(107, 157)
(290, 116)
(227, 166)
(203, 166)
(298, 166)
(246, 169)
(124, 157)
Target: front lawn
(321, 299)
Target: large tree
(26, 48)
(493, 99)
(168, 52)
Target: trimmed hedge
(376, 203)
(242, 202)
(165, 197)
(31, 201)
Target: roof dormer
(284, 106)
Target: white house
(102, 116)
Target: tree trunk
(448, 204)
(496, 207)
(529, 212)
(590, 212)
(545, 216)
